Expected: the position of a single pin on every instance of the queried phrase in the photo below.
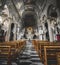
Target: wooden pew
(50, 48)
(39, 45)
(5, 52)
(21, 44)
(35, 44)
(16, 47)
(41, 48)
(58, 58)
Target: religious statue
(40, 33)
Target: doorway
(11, 32)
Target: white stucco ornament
(0, 20)
(6, 10)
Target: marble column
(51, 37)
(40, 33)
(44, 31)
(7, 38)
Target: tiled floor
(29, 56)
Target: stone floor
(28, 57)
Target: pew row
(5, 52)
(46, 54)
(16, 48)
(58, 58)
(39, 46)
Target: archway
(2, 34)
(11, 32)
(29, 19)
(47, 33)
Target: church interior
(29, 32)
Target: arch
(12, 26)
(29, 19)
(11, 32)
(51, 12)
(47, 33)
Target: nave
(29, 32)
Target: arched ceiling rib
(38, 4)
(35, 6)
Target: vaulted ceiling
(25, 9)
(30, 7)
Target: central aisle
(29, 55)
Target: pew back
(39, 46)
(5, 52)
(47, 53)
